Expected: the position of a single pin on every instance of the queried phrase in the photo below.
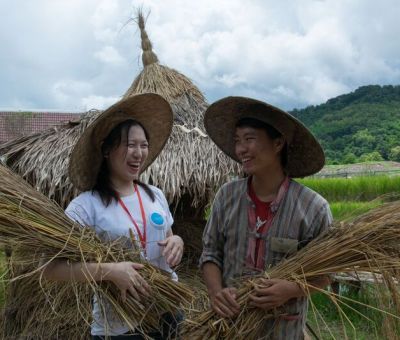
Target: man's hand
(273, 293)
(224, 303)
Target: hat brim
(305, 155)
(149, 109)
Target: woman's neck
(123, 188)
(266, 187)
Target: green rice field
(343, 210)
(348, 198)
(363, 188)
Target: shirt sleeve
(79, 211)
(322, 221)
(213, 238)
(164, 203)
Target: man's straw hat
(149, 109)
(304, 154)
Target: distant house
(18, 123)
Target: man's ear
(279, 143)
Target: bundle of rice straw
(37, 311)
(369, 244)
(36, 228)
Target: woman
(105, 164)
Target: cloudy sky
(74, 55)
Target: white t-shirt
(111, 223)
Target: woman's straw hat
(149, 109)
(304, 154)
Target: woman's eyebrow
(130, 140)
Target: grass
(363, 188)
(345, 210)
(366, 323)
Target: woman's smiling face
(126, 160)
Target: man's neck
(266, 187)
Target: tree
(374, 156)
(364, 138)
(349, 158)
(394, 154)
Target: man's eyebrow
(250, 133)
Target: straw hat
(305, 154)
(150, 109)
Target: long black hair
(271, 132)
(113, 140)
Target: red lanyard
(142, 237)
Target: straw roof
(190, 166)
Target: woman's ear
(106, 153)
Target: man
(259, 220)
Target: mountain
(363, 125)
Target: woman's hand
(273, 293)
(126, 277)
(173, 250)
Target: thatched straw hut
(188, 170)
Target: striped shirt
(301, 216)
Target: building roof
(15, 124)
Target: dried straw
(35, 311)
(369, 244)
(37, 228)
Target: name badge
(284, 245)
(157, 220)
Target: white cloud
(292, 53)
(97, 102)
(109, 55)
(67, 91)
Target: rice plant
(364, 188)
(345, 210)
